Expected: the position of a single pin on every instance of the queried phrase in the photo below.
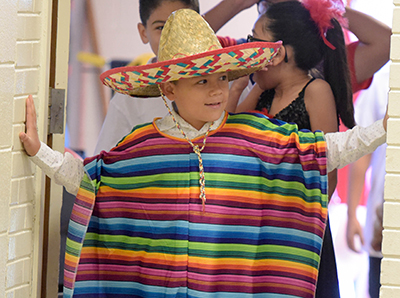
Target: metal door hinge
(56, 115)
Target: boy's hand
(30, 139)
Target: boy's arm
(348, 146)
(374, 43)
(65, 169)
(225, 10)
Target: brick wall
(390, 270)
(23, 65)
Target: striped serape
(138, 229)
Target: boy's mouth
(213, 104)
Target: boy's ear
(279, 57)
(168, 89)
(142, 32)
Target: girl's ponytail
(337, 74)
(312, 29)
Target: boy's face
(151, 31)
(201, 99)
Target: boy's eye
(223, 78)
(202, 81)
(160, 28)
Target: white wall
(23, 70)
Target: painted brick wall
(22, 71)
(390, 270)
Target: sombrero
(188, 48)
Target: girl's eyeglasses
(251, 38)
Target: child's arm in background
(235, 91)
(373, 49)
(65, 169)
(357, 172)
(225, 10)
(251, 100)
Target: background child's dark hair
(291, 23)
(146, 7)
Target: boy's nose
(216, 92)
(216, 89)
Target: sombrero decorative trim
(187, 34)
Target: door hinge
(56, 113)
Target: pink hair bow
(322, 12)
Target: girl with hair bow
(307, 83)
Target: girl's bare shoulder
(318, 89)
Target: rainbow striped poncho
(138, 229)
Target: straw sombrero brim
(237, 61)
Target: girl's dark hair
(291, 23)
(337, 74)
(146, 7)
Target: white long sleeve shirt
(343, 148)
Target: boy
(145, 225)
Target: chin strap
(196, 149)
